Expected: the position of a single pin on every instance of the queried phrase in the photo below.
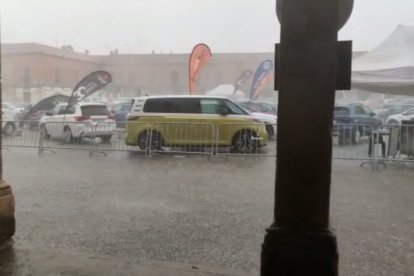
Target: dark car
(352, 121)
(120, 111)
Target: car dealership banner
(89, 85)
(261, 77)
(242, 80)
(200, 55)
(44, 106)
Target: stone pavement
(22, 262)
(121, 211)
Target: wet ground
(191, 212)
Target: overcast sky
(141, 26)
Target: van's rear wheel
(150, 140)
(245, 142)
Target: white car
(396, 119)
(9, 125)
(7, 106)
(269, 120)
(88, 120)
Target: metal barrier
(395, 143)
(20, 134)
(387, 143)
(352, 141)
(180, 137)
(240, 139)
(95, 137)
(109, 137)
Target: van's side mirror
(372, 114)
(48, 113)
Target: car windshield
(94, 110)
(341, 111)
(248, 108)
(398, 108)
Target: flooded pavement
(190, 211)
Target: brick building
(33, 71)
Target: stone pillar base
(298, 252)
(7, 221)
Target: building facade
(33, 71)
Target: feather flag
(242, 80)
(200, 55)
(89, 85)
(261, 73)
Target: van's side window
(156, 105)
(172, 105)
(186, 105)
(210, 106)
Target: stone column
(7, 222)
(300, 242)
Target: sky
(142, 26)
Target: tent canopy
(226, 90)
(389, 68)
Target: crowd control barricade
(94, 137)
(398, 142)
(370, 145)
(20, 134)
(245, 139)
(179, 138)
(352, 142)
(110, 137)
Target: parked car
(270, 120)
(158, 121)
(9, 124)
(21, 108)
(82, 120)
(396, 119)
(352, 121)
(271, 107)
(7, 106)
(392, 108)
(120, 112)
(262, 107)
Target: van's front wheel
(245, 142)
(150, 140)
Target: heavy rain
(177, 138)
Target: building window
(130, 77)
(219, 79)
(26, 75)
(57, 76)
(174, 78)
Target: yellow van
(168, 121)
